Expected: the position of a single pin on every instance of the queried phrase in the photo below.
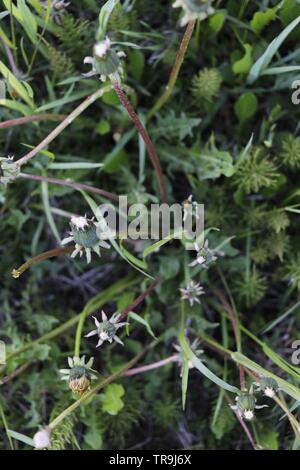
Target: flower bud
(9, 170)
(41, 439)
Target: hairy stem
(175, 70)
(144, 134)
(16, 273)
(33, 118)
(65, 123)
(154, 365)
(71, 184)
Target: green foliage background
(226, 136)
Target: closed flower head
(79, 375)
(86, 234)
(106, 61)
(194, 10)
(191, 292)
(9, 170)
(107, 329)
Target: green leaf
(28, 21)
(143, 322)
(111, 399)
(216, 21)
(47, 209)
(269, 440)
(262, 63)
(243, 65)
(171, 127)
(104, 15)
(246, 107)
(16, 106)
(136, 64)
(280, 70)
(214, 163)
(3, 35)
(21, 437)
(202, 368)
(289, 11)
(156, 245)
(74, 166)
(114, 161)
(103, 127)
(62, 101)
(24, 16)
(184, 380)
(291, 390)
(47, 153)
(15, 84)
(261, 19)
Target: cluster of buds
(106, 61)
(79, 375)
(87, 235)
(107, 329)
(194, 10)
(9, 170)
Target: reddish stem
(16, 273)
(242, 423)
(140, 298)
(34, 117)
(141, 129)
(235, 328)
(85, 187)
(154, 365)
(175, 70)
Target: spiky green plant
(206, 85)
(60, 64)
(72, 34)
(278, 220)
(256, 172)
(62, 435)
(166, 411)
(290, 152)
(252, 288)
(292, 271)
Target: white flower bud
(41, 439)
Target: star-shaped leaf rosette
(87, 236)
(107, 329)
